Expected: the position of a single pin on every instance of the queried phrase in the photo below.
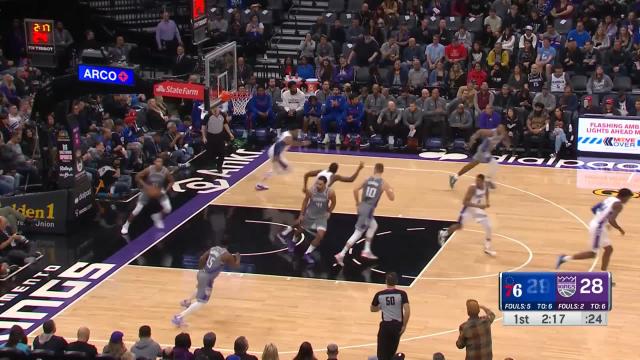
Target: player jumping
(473, 206)
(331, 175)
(605, 213)
(490, 139)
(279, 164)
(154, 183)
(211, 264)
(372, 190)
(317, 206)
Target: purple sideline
(152, 236)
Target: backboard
(220, 71)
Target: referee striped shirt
(391, 302)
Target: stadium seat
(337, 5)
(563, 26)
(622, 82)
(432, 143)
(354, 5)
(410, 20)
(39, 354)
(579, 83)
(275, 5)
(346, 18)
(453, 23)
(474, 25)
(75, 355)
(433, 23)
(362, 76)
(11, 353)
(458, 145)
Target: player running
(317, 206)
(279, 164)
(211, 264)
(331, 175)
(490, 139)
(605, 213)
(372, 190)
(474, 204)
(154, 182)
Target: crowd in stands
(408, 71)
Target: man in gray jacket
(388, 123)
(146, 348)
(373, 105)
(460, 122)
(412, 121)
(436, 116)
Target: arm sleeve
(405, 297)
(375, 301)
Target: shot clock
(555, 299)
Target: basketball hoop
(240, 99)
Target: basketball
(153, 192)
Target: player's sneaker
(125, 228)
(261, 187)
(282, 237)
(326, 139)
(291, 245)
(358, 140)
(442, 236)
(490, 252)
(157, 221)
(347, 140)
(309, 259)
(177, 321)
(560, 261)
(452, 181)
(337, 139)
(368, 255)
(185, 303)
(339, 259)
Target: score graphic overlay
(555, 299)
(39, 36)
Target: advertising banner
(106, 75)
(179, 90)
(609, 135)
(48, 209)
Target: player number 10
(589, 286)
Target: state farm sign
(179, 90)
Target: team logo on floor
(609, 192)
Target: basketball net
(240, 99)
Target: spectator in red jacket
(476, 74)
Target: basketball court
(537, 213)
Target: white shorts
(472, 213)
(279, 163)
(598, 236)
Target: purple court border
(151, 237)
(583, 163)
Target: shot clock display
(555, 299)
(39, 36)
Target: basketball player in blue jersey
(331, 175)
(474, 204)
(317, 206)
(279, 164)
(372, 190)
(211, 264)
(605, 214)
(490, 139)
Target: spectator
(8, 89)
(48, 340)
(307, 48)
(305, 352)
(512, 122)
(389, 52)
(635, 111)
(15, 247)
(17, 340)
(115, 348)
(513, 20)
(405, 98)
(588, 107)
(312, 114)
(434, 53)
(498, 55)
(260, 110)
(275, 92)
(477, 75)
(545, 98)
(332, 352)
(590, 58)
(571, 57)
(182, 344)
(457, 78)
(319, 28)
(568, 101)
(609, 108)
(156, 119)
(483, 98)
(270, 351)
(412, 118)
(354, 32)
(120, 51)
(558, 134)
(475, 333)
(558, 80)
(324, 92)
(529, 36)
(504, 99)
(579, 34)
(397, 78)
(293, 106)
(508, 40)
(524, 99)
(477, 55)
(146, 347)
(562, 10)
(82, 344)
(526, 56)
(536, 21)
(421, 102)
(305, 69)
(439, 77)
(601, 42)
(287, 67)
(546, 55)
(344, 72)
(353, 121)
(391, 9)
(412, 52)
(254, 34)
(461, 122)
(493, 21)
(206, 352)
(438, 356)
(599, 83)
(489, 119)
(394, 305)
(388, 121)
(62, 36)
(464, 37)
(218, 27)
(373, 105)
(535, 79)
(167, 34)
(455, 52)
(436, 115)
(244, 71)
(417, 76)
(537, 123)
(240, 347)
(324, 50)
(173, 143)
(623, 103)
(497, 76)
(335, 111)
(617, 58)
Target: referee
(215, 131)
(394, 304)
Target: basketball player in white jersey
(279, 164)
(476, 200)
(211, 264)
(490, 139)
(605, 214)
(154, 182)
(372, 189)
(331, 175)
